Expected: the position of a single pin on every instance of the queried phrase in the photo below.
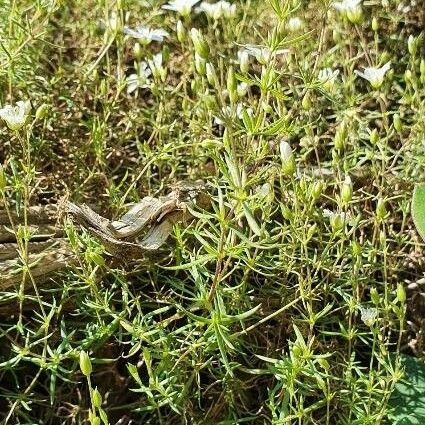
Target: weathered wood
(139, 232)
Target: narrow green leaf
(418, 209)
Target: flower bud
(347, 191)
(397, 123)
(200, 64)
(287, 157)
(412, 45)
(42, 111)
(199, 43)
(137, 51)
(181, 31)
(311, 231)
(85, 363)
(337, 222)
(408, 76)
(422, 67)
(356, 249)
(243, 61)
(96, 398)
(211, 74)
(340, 136)
(306, 102)
(374, 136)
(374, 296)
(375, 25)
(317, 189)
(94, 420)
(381, 210)
(401, 293)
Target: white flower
(368, 315)
(229, 10)
(217, 10)
(295, 24)
(242, 89)
(243, 60)
(226, 113)
(155, 65)
(139, 80)
(183, 7)
(263, 54)
(328, 77)
(350, 8)
(285, 150)
(375, 76)
(146, 34)
(16, 116)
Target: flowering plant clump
(261, 155)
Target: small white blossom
(243, 60)
(295, 24)
(155, 65)
(350, 8)
(242, 89)
(285, 150)
(146, 34)
(328, 77)
(375, 76)
(16, 116)
(263, 54)
(139, 80)
(368, 315)
(217, 10)
(226, 112)
(183, 7)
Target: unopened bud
(381, 210)
(96, 398)
(337, 222)
(200, 64)
(181, 31)
(287, 157)
(306, 102)
(347, 191)
(211, 75)
(374, 136)
(42, 111)
(356, 249)
(317, 189)
(85, 363)
(244, 61)
(401, 293)
(340, 136)
(199, 43)
(137, 51)
(397, 123)
(374, 296)
(408, 76)
(412, 45)
(375, 25)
